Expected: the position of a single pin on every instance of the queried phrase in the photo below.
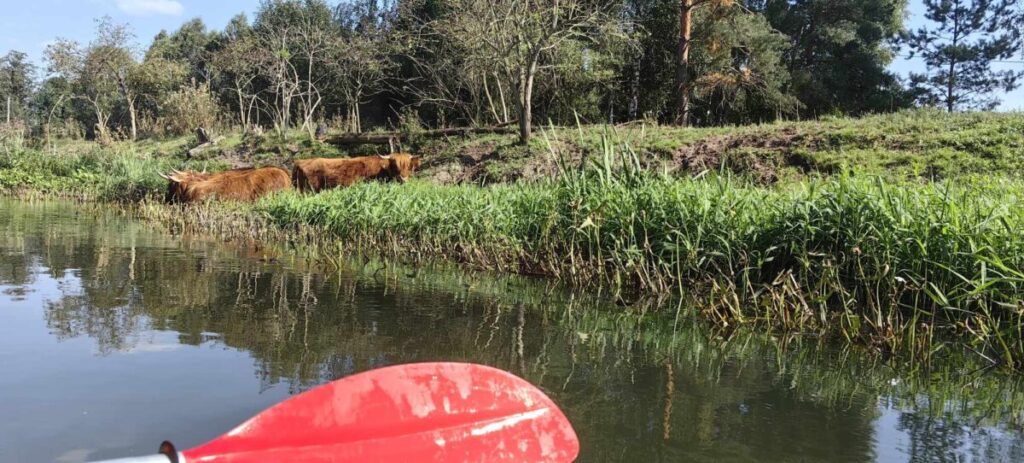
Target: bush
(190, 107)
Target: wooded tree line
(363, 64)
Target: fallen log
(362, 138)
(196, 151)
(392, 138)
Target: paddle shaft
(150, 459)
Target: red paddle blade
(431, 412)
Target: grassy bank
(907, 261)
(902, 266)
(916, 145)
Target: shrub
(190, 107)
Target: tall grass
(92, 173)
(902, 266)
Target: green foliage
(853, 255)
(190, 107)
(82, 170)
(16, 86)
(189, 45)
(840, 52)
(856, 250)
(959, 47)
(740, 74)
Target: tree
(236, 68)
(683, 90)
(438, 73)
(687, 9)
(191, 43)
(840, 52)
(155, 81)
(519, 38)
(16, 84)
(112, 58)
(967, 36)
(739, 73)
(300, 36)
(66, 60)
(361, 57)
(735, 68)
(52, 100)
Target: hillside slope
(925, 145)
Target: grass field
(916, 146)
(900, 232)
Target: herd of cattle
(308, 176)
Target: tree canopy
(364, 64)
(962, 40)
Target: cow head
(179, 183)
(402, 166)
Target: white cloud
(151, 7)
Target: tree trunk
(8, 110)
(634, 93)
(359, 116)
(526, 103)
(134, 118)
(490, 102)
(951, 81)
(683, 63)
(102, 135)
(129, 98)
(241, 110)
(49, 119)
(249, 112)
(504, 103)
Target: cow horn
(385, 156)
(163, 176)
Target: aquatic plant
(898, 265)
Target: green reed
(899, 265)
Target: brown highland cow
(316, 175)
(236, 185)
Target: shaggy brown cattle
(237, 185)
(315, 175)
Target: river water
(116, 335)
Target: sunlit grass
(900, 265)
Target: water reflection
(129, 316)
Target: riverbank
(880, 258)
(115, 296)
(913, 145)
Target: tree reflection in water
(635, 388)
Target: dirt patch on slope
(486, 163)
(758, 155)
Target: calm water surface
(115, 335)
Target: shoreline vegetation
(596, 332)
(898, 232)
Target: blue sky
(28, 25)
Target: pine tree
(959, 49)
(16, 82)
(840, 53)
